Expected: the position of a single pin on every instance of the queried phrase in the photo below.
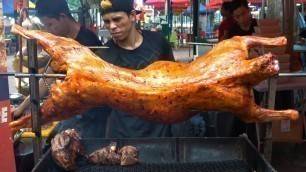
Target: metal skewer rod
(97, 47)
(292, 74)
(47, 66)
(45, 75)
(27, 75)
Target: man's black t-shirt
(87, 37)
(154, 47)
(237, 31)
(92, 123)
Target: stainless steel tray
(163, 154)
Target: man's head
(225, 9)
(54, 15)
(240, 11)
(119, 17)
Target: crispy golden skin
(164, 92)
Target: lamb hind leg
(263, 115)
(23, 122)
(253, 41)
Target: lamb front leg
(258, 69)
(253, 41)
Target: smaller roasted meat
(129, 155)
(111, 155)
(65, 148)
(106, 156)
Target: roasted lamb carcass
(165, 92)
(65, 148)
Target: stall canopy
(8, 7)
(176, 4)
(215, 4)
(300, 1)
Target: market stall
(162, 154)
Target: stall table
(296, 83)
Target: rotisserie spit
(165, 92)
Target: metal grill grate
(214, 166)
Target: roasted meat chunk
(112, 155)
(164, 92)
(65, 148)
(129, 155)
(108, 155)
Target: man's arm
(167, 50)
(43, 90)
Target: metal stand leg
(263, 98)
(34, 94)
(302, 108)
(268, 125)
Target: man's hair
(52, 9)
(235, 4)
(226, 6)
(108, 6)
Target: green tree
(73, 4)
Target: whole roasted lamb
(165, 92)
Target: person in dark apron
(133, 49)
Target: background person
(227, 22)
(227, 124)
(242, 14)
(134, 49)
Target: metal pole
(168, 18)
(34, 99)
(181, 36)
(195, 22)
(302, 4)
(23, 13)
(268, 125)
(263, 11)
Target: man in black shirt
(133, 49)
(58, 20)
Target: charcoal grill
(175, 155)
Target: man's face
(55, 26)
(242, 15)
(224, 13)
(119, 24)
